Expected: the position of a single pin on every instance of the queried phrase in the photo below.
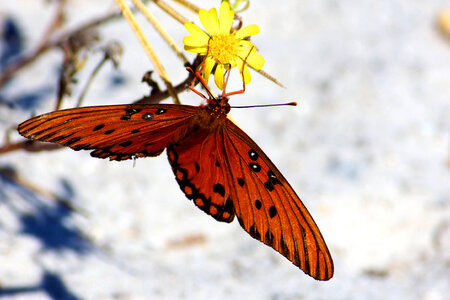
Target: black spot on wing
(227, 213)
(283, 246)
(126, 144)
(268, 238)
(147, 116)
(254, 232)
(48, 136)
(61, 137)
(241, 181)
(258, 204)
(160, 111)
(253, 155)
(271, 181)
(219, 189)
(255, 167)
(269, 185)
(72, 141)
(272, 212)
(98, 127)
(129, 112)
(81, 147)
(109, 131)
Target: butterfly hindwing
(117, 132)
(198, 166)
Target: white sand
(367, 150)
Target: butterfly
(216, 164)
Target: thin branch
(26, 59)
(29, 146)
(159, 96)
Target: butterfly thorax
(214, 113)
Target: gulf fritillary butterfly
(216, 164)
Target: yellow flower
(222, 47)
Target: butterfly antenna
(268, 105)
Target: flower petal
(218, 76)
(244, 71)
(210, 20)
(232, 63)
(208, 65)
(194, 29)
(226, 16)
(247, 77)
(254, 59)
(196, 41)
(247, 31)
(199, 50)
(246, 43)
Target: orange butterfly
(215, 163)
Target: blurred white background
(367, 150)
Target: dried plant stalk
(128, 15)
(149, 16)
(188, 5)
(172, 12)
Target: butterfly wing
(198, 166)
(227, 174)
(118, 132)
(269, 209)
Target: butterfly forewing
(269, 209)
(118, 131)
(225, 173)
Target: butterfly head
(218, 107)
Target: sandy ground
(367, 150)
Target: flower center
(223, 48)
